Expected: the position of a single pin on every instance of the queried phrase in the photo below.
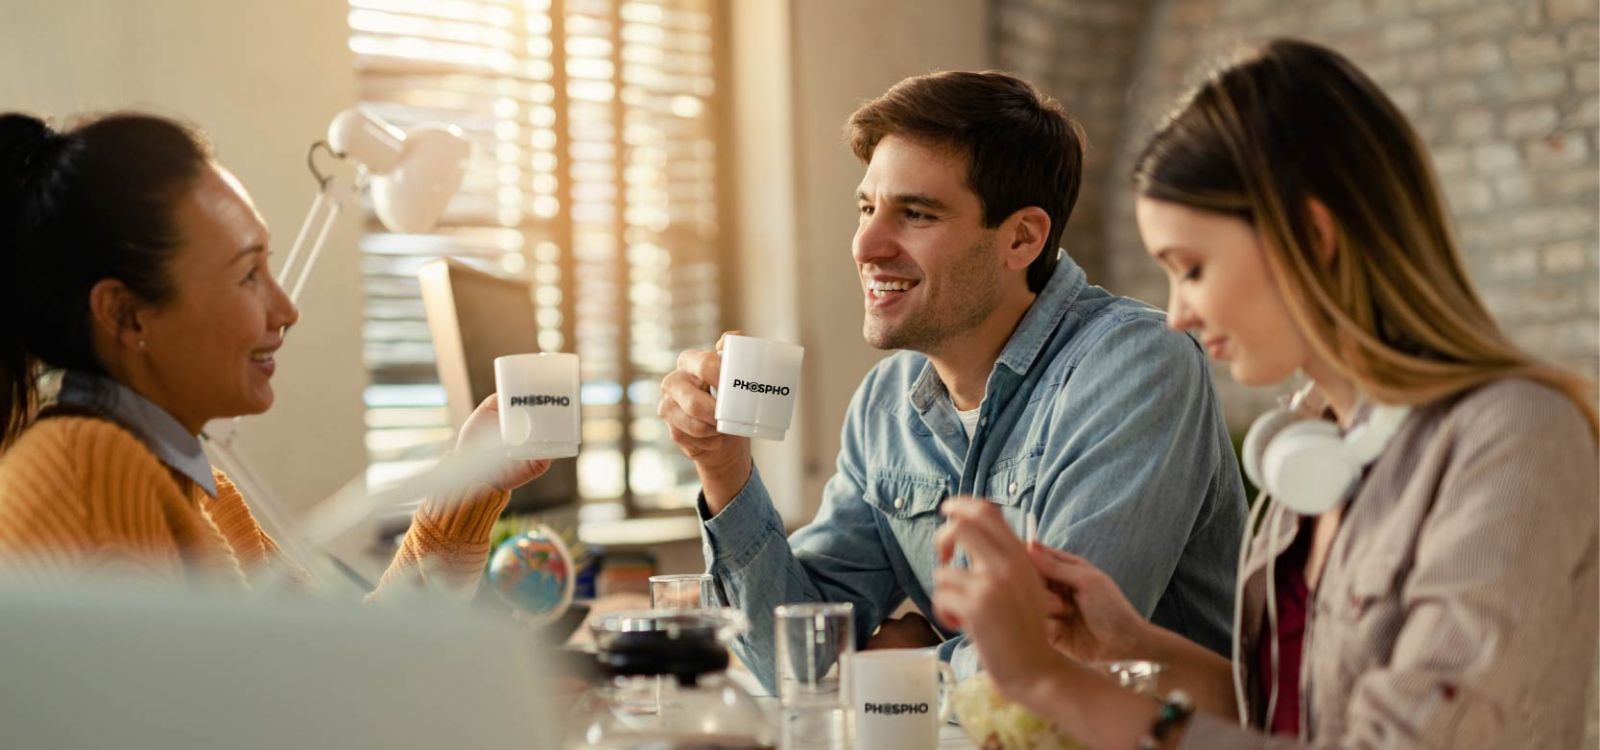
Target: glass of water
(682, 591)
(812, 640)
(1138, 675)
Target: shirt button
(1012, 489)
(899, 503)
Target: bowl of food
(994, 723)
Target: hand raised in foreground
(482, 428)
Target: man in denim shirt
(1018, 381)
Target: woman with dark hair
(1423, 572)
(136, 265)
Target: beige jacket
(1459, 605)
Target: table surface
(950, 736)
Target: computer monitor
(475, 316)
(124, 667)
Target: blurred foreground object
(994, 723)
(114, 668)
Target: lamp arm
(315, 253)
(336, 194)
(314, 217)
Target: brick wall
(1084, 53)
(1504, 92)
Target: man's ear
(1023, 234)
(1326, 231)
(114, 311)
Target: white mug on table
(899, 698)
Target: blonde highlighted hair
(1292, 122)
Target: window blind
(594, 177)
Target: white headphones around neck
(1307, 463)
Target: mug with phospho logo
(898, 697)
(538, 396)
(757, 388)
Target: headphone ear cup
(1307, 468)
(1256, 440)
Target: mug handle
(947, 688)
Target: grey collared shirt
(175, 446)
(1458, 603)
(1097, 419)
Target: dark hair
(1022, 148)
(93, 202)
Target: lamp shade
(414, 172)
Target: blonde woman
(1443, 593)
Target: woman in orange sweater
(135, 264)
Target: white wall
(761, 139)
(845, 52)
(262, 79)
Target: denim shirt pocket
(903, 496)
(1011, 481)
(909, 503)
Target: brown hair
(93, 202)
(1395, 311)
(1021, 147)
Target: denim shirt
(1097, 418)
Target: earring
(141, 345)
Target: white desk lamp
(412, 175)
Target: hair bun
(28, 148)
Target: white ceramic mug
(898, 697)
(756, 391)
(539, 411)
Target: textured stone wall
(1504, 92)
(1084, 53)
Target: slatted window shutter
(595, 177)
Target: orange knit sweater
(83, 496)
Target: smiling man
(1017, 381)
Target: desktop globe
(532, 572)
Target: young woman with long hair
(1423, 571)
